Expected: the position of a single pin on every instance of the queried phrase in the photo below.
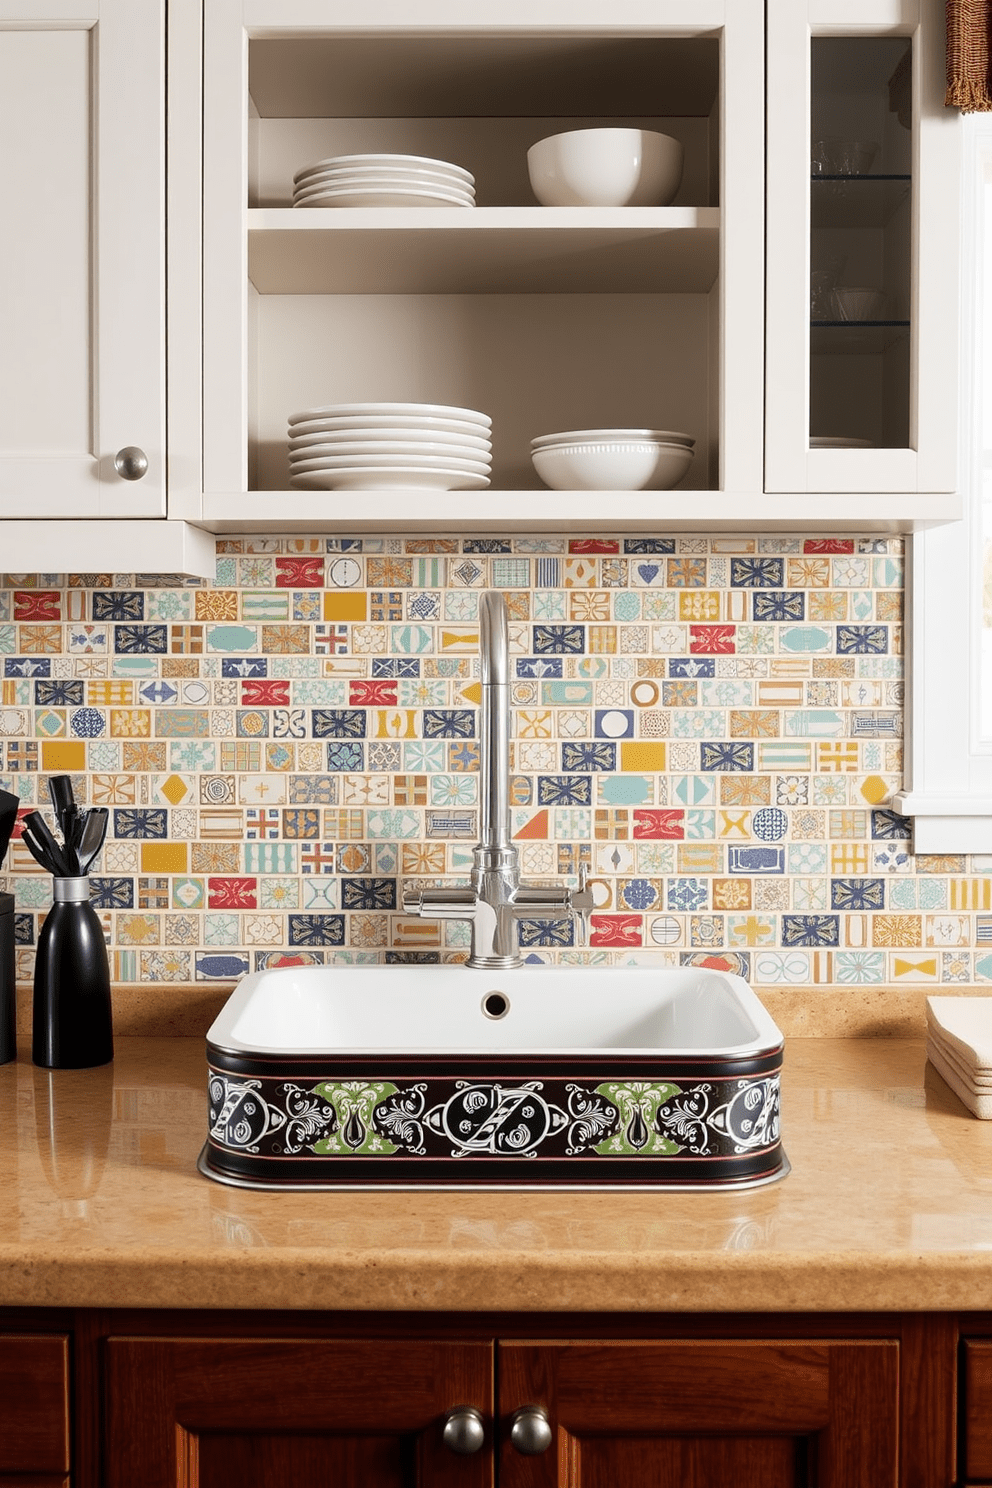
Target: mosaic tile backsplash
(712, 725)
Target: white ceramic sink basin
(548, 1010)
(428, 1075)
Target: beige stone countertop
(888, 1207)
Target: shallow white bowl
(605, 168)
(613, 436)
(859, 304)
(620, 466)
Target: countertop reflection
(888, 1206)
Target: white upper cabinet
(82, 259)
(544, 318)
(863, 217)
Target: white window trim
(948, 790)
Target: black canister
(73, 1027)
(8, 996)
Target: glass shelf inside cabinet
(861, 238)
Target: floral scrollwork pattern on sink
(493, 1117)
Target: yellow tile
(395, 723)
(163, 857)
(641, 754)
(346, 605)
(58, 755)
(874, 789)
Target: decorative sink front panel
(428, 1076)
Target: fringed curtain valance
(969, 42)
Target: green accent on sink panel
(354, 1102)
(637, 1101)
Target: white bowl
(859, 304)
(624, 465)
(614, 436)
(605, 168)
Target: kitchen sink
(437, 1076)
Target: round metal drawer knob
(531, 1431)
(463, 1431)
(131, 463)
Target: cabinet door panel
(225, 1461)
(34, 1404)
(82, 334)
(725, 1413)
(207, 1414)
(978, 1409)
(745, 1462)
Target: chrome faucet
(494, 899)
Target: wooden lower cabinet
(174, 1399)
(244, 1413)
(220, 1413)
(706, 1414)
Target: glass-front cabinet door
(862, 308)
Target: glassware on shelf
(842, 157)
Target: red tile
(232, 893)
(264, 693)
(828, 545)
(380, 693)
(659, 825)
(615, 930)
(593, 545)
(299, 573)
(37, 604)
(712, 640)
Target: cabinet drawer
(978, 1410)
(34, 1405)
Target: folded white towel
(978, 1105)
(980, 1083)
(966, 1024)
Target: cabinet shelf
(656, 512)
(484, 250)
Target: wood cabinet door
(223, 1413)
(703, 1414)
(34, 1406)
(82, 265)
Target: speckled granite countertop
(888, 1206)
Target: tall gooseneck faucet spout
(494, 722)
(495, 900)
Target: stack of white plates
(959, 1046)
(389, 446)
(383, 181)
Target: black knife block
(8, 998)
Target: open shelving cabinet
(543, 318)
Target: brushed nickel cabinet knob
(463, 1431)
(131, 463)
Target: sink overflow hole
(495, 1005)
